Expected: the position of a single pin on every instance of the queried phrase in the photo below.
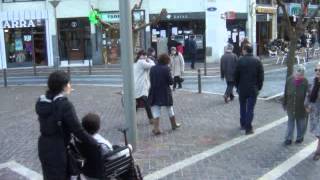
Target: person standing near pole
(160, 93)
(295, 92)
(141, 68)
(227, 68)
(193, 51)
(249, 77)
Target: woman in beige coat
(177, 67)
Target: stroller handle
(124, 131)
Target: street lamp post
(252, 24)
(127, 70)
(54, 4)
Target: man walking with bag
(227, 67)
(249, 77)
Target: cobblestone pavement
(206, 122)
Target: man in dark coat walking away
(249, 77)
(227, 68)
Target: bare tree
(295, 31)
(137, 27)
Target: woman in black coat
(58, 120)
(160, 92)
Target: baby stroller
(118, 164)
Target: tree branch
(104, 24)
(137, 6)
(285, 12)
(315, 13)
(286, 16)
(152, 22)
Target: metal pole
(199, 82)
(205, 65)
(90, 67)
(5, 82)
(33, 56)
(127, 70)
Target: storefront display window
(74, 39)
(25, 43)
(111, 37)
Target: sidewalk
(206, 122)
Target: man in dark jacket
(227, 67)
(249, 76)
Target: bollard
(205, 67)
(34, 67)
(90, 67)
(199, 82)
(69, 70)
(57, 63)
(5, 81)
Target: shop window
(26, 46)
(263, 1)
(74, 39)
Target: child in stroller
(108, 161)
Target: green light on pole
(93, 17)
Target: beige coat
(177, 64)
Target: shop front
(25, 39)
(180, 27)
(111, 38)
(294, 10)
(74, 39)
(265, 17)
(236, 27)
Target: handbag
(75, 159)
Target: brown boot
(156, 130)
(174, 124)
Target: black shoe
(249, 131)
(299, 141)
(225, 99)
(287, 142)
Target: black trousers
(193, 58)
(177, 80)
(144, 99)
(229, 90)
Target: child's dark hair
(91, 123)
(140, 53)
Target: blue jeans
(247, 104)
(301, 127)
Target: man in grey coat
(228, 64)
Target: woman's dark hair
(164, 59)
(150, 51)
(140, 53)
(248, 48)
(314, 92)
(91, 123)
(56, 83)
